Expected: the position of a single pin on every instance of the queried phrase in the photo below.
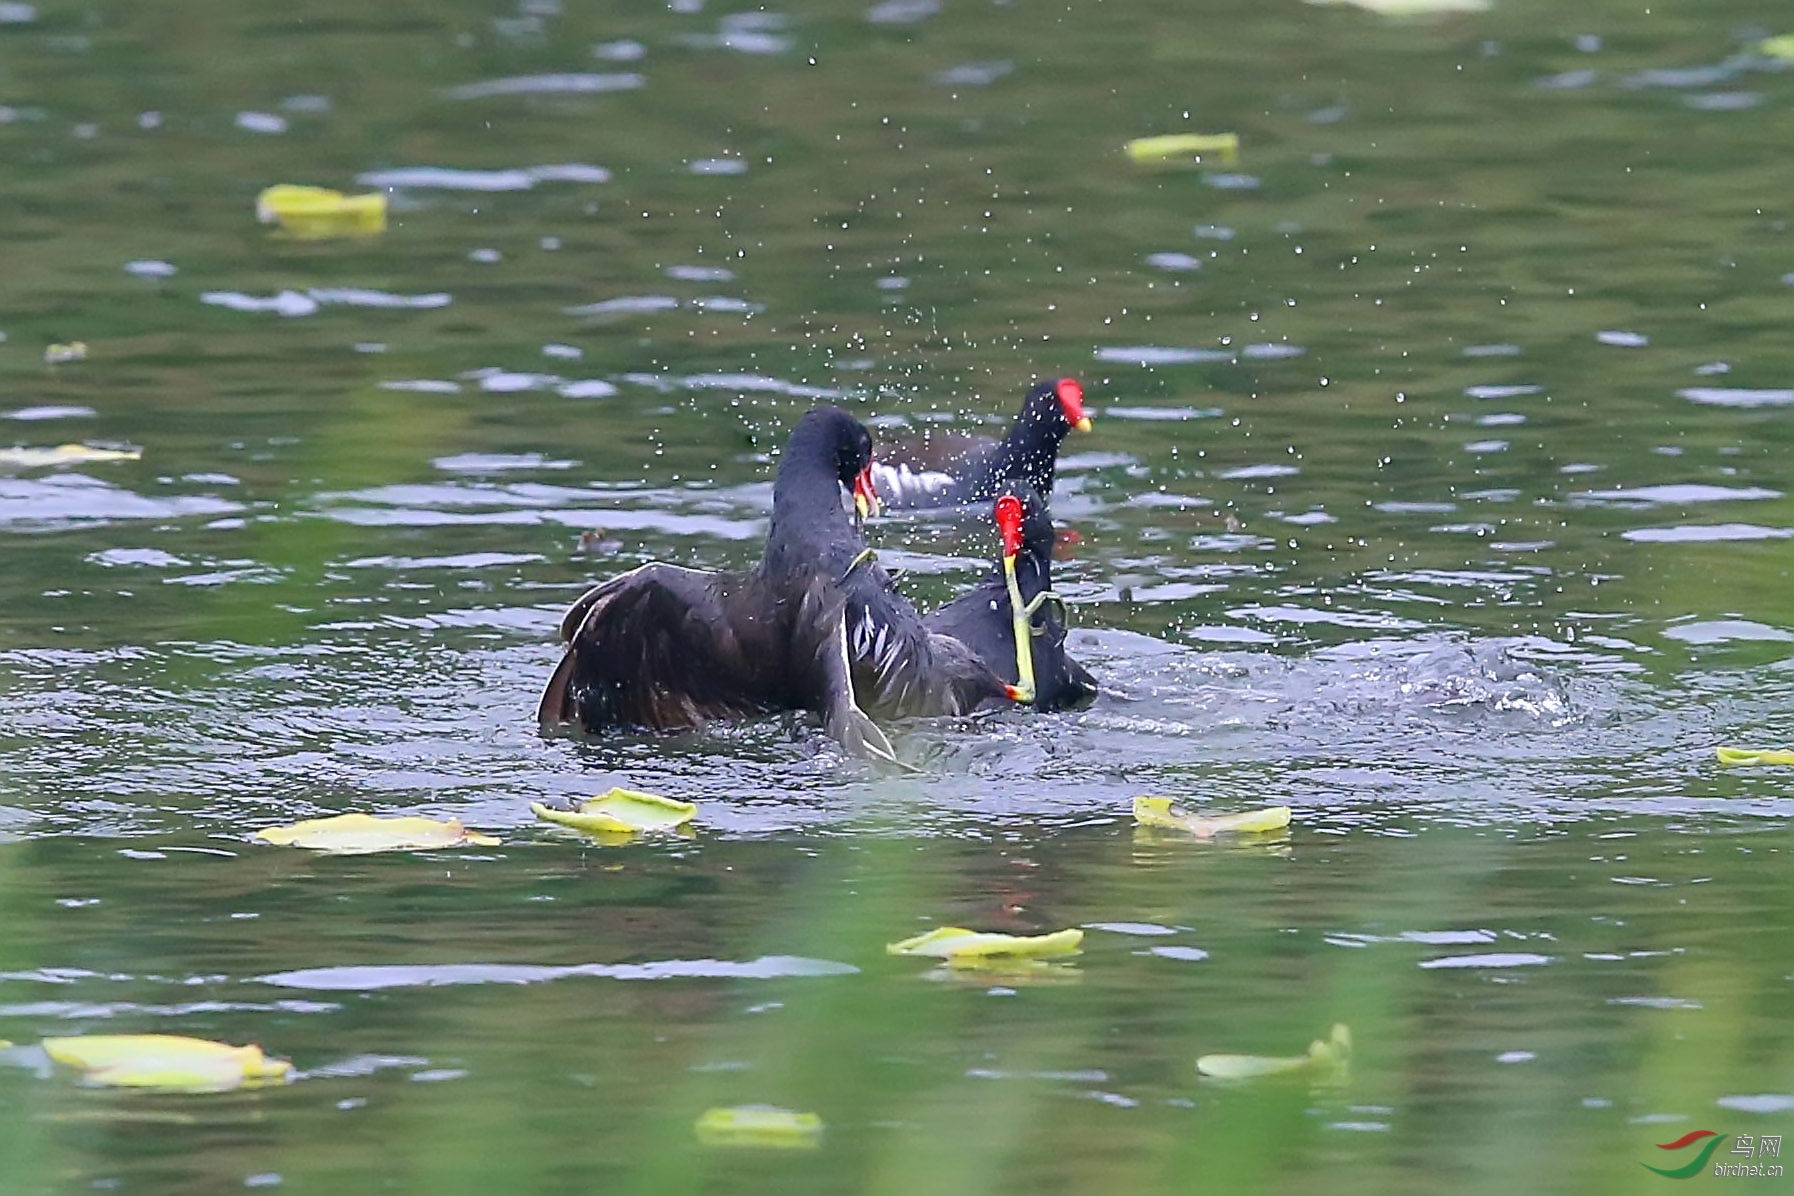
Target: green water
(1439, 490)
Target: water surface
(1439, 490)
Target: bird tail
(861, 737)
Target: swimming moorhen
(949, 470)
(816, 626)
(1015, 603)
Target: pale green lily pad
(167, 1061)
(622, 812)
(1778, 47)
(971, 948)
(63, 454)
(1159, 812)
(65, 353)
(1754, 755)
(1185, 149)
(1327, 1057)
(362, 834)
(762, 1126)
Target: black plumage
(982, 619)
(950, 469)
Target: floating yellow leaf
(1412, 8)
(313, 213)
(1328, 1056)
(971, 948)
(1778, 47)
(1754, 755)
(63, 354)
(64, 454)
(359, 834)
(167, 1061)
(1158, 812)
(760, 1125)
(621, 812)
(1185, 149)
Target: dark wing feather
(980, 620)
(825, 680)
(556, 706)
(1078, 689)
(1061, 683)
(660, 647)
(900, 668)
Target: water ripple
(1494, 959)
(373, 978)
(73, 498)
(566, 84)
(450, 179)
(1711, 533)
(295, 303)
(1151, 355)
(1677, 495)
(1729, 396)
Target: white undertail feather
(901, 483)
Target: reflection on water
(1424, 435)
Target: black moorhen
(816, 626)
(1015, 602)
(950, 470)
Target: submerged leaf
(1778, 47)
(167, 1061)
(1185, 149)
(1007, 970)
(1412, 8)
(971, 948)
(1754, 755)
(1159, 812)
(63, 354)
(64, 454)
(314, 213)
(760, 1125)
(359, 834)
(621, 812)
(1328, 1056)
(120, 1115)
